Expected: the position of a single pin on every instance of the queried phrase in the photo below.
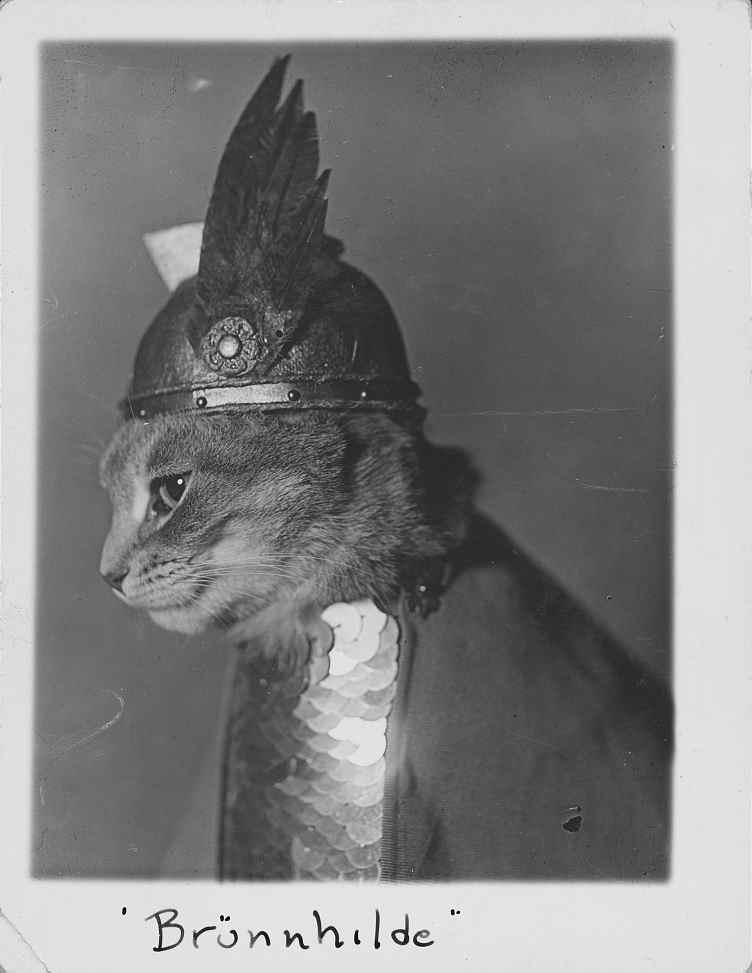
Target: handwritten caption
(170, 933)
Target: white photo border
(699, 920)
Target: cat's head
(216, 517)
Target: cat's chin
(183, 620)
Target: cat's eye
(167, 492)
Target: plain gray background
(514, 203)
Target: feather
(308, 239)
(264, 227)
(236, 185)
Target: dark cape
(526, 743)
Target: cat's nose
(115, 580)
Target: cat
(516, 699)
(275, 515)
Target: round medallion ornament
(231, 346)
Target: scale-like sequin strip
(306, 761)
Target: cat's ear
(175, 252)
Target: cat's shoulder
(508, 635)
(521, 704)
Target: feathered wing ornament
(265, 223)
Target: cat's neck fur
(405, 504)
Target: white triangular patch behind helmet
(175, 252)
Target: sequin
(345, 620)
(326, 735)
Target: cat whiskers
(230, 583)
(280, 557)
(234, 588)
(261, 563)
(214, 572)
(265, 561)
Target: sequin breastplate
(305, 765)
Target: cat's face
(217, 516)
